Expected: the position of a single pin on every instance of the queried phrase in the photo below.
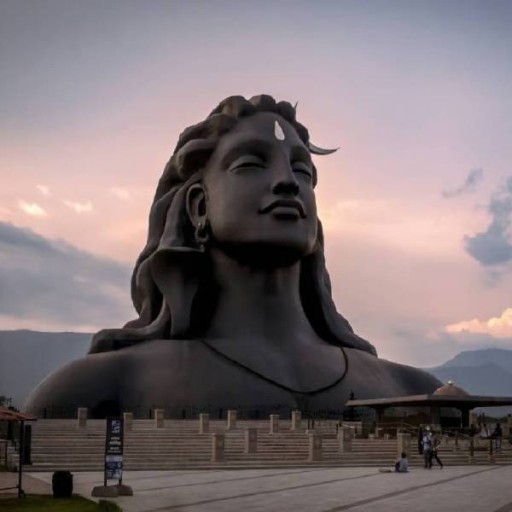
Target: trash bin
(62, 484)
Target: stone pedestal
(274, 423)
(345, 439)
(204, 423)
(127, 421)
(296, 420)
(159, 418)
(250, 440)
(81, 417)
(403, 444)
(231, 419)
(315, 447)
(218, 445)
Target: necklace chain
(278, 384)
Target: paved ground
(458, 489)
(29, 484)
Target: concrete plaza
(460, 488)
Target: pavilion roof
(466, 401)
(10, 415)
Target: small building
(435, 408)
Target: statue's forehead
(263, 126)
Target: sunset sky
(416, 204)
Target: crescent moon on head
(315, 149)
(320, 151)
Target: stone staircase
(61, 445)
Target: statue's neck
(258, 303)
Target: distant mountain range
(26, 357)
(480, 372)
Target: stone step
(58, 444)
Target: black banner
(114, 449)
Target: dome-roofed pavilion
(447, 396)
(450, 389)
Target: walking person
(427, 450)
(497, 434)
(436, 441)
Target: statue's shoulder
(390, 378)
(93, 377)
(106, 380)
(414, 380)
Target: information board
(114, 449)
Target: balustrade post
(274, 423)
(158, 418)
(127, 421)
(204, 423)
(82, 417)
(218, 446)
(296, 420)
(231, 419)
(250, 440)
(315, 447)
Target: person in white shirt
(484, 431)
(427, 450)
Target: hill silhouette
(480, 372)
(27, 357)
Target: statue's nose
(285, 182)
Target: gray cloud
(472, 180)
(53, 282)
(494, 245)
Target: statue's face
(259, 191)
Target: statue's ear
(196, 204)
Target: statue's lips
(290, 208)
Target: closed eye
(247, 162)
(302, 168)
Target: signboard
(114, 450)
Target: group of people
(484, 432)
(429, 441)
(430, 444)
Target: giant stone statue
(232, 294)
